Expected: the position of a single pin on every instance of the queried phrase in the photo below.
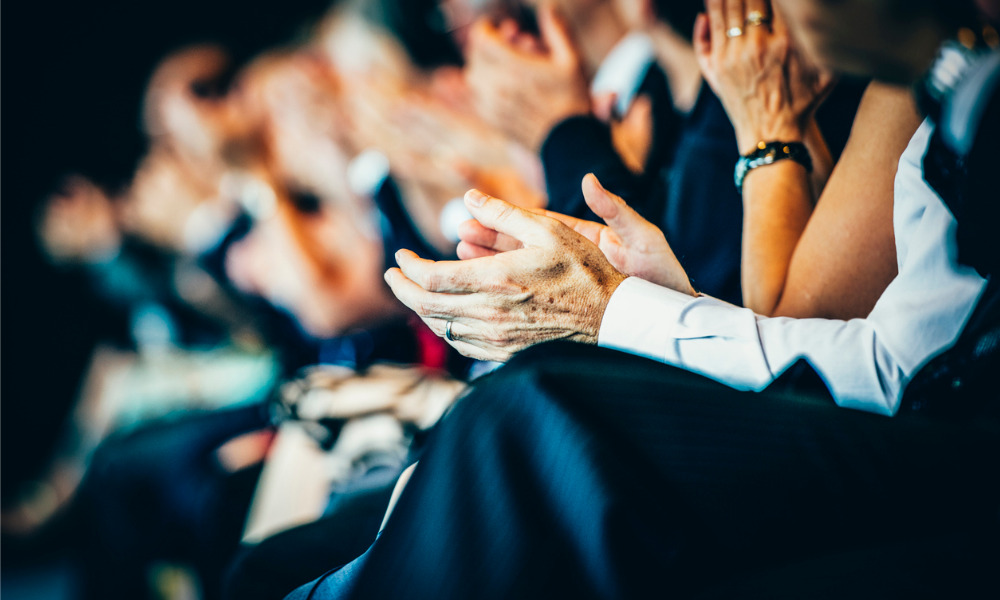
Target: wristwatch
(767, 153)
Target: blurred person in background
(276, 146)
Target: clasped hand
(531, 276)
(769, 89)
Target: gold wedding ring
(734, 32)
(756, 18)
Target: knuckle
(504, 212)
(425, 307)
(430, 280)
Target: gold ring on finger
(734, 32)
(756, 18)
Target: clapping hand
(524, 85)
(633, 245)
(554, 285)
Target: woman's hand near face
(769, 89)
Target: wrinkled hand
(632, 245)
(522, 85)
(769, 89)
(555, 286)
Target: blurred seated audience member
(314, 248)
(626, 476)
(420, 120)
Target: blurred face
(884, 39)
(294, 100)
(315, 262)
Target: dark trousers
(279, 564)
(581, 472)
(158, 494)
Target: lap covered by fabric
(582, 472)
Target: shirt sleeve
(700, 333)
(864, 362)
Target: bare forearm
(847, 255)
(777, 204)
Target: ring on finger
(734, 32)
(447, 332)
(756, 18)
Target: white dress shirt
(865, 362)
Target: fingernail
(387, 275)
(475, 197)
(597, 182)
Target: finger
(588, 229)
(488, 44)
(603, 105)
(508, 30)
(761, 6)
(702, 40)
(473, 232)
(778, 24)
(717, 22)
(529, 228)
(527, 43)
(619, 216)
(555, 33)
(735, 14)
(445, 276)
(470, 346)
(426, 304)
(467, 251)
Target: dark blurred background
(73, 74)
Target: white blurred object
(623, 70)
(367, 171)
(453, 215)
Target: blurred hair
(419, 26)
(948, 13)
(679, 14)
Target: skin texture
(846, 255)
(555, 286)
(633, 245)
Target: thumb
(619, 216)
(555, 33)
(703, 41)
(529, 228)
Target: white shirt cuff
(642, 318)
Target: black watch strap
(768, 153)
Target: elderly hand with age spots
(531, 276)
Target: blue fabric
(579, 472)
(686, 188)
(336, 584)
